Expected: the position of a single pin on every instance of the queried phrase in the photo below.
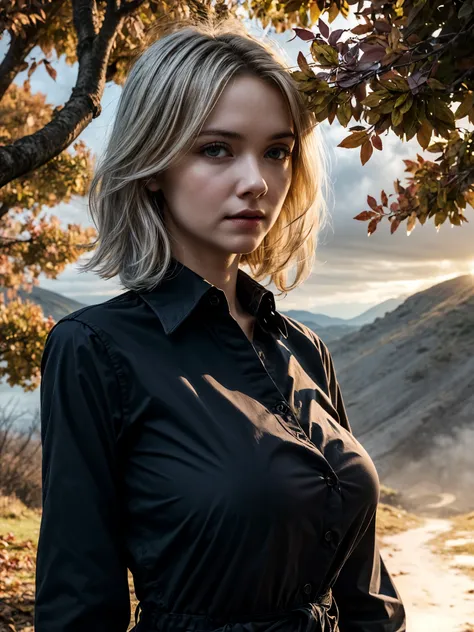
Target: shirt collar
(180, 291)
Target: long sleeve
(81, 570)
(364, 591)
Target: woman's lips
(245, 222)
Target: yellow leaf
(354, 140)
(424, 134)
(411, 223)
(466, 106)
(314, 12)
(333, 12)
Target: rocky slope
(408, 384)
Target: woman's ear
(152, 184)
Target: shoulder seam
(113, 361)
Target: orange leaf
(303, 64)
(50, 70)
(394, 225)
(377, 142)
(361, 29)
(372, 202)
(366, 152)
(372, 227)
(354, 140)
(424, 134)
(365, 215)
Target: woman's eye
(285, 150)
(212, 151)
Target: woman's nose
(251, 178)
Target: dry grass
(391, 520)
(19, 532)
(462, 527)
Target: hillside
(408, 384)
(52, 303)
(331, 328)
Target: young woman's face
(241, 161)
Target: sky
(353, 271)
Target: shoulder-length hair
(168, 94)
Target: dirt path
(437, 598)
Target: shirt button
(281, 407)
(307, 588)
(328, 536)
(214, 300)
(330, 480)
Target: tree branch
(93, 52)
(7, 242)
(21, 46)
(129, 7)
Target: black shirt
(222, 472)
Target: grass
(462, 527)
(392, 520)
(19, 532)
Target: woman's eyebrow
(229, 134)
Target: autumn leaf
(397, 117)
(365, 215)
(361, 29)
(354, 140)
(424, 134)
(50, 70)
(324, 53)
(377, 142)
(333, 11)
(383, 26)
(465, 107)
(373, 54)
(411, 223)
(303, 64)
(366, 152)
(372, 202)
(344, 113)
(314, 12)
(335, 35)
(442, 111)
(394, 224)
(372, 227)
(323, 28)
(304, 34)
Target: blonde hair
(167, 96)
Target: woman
(191, 433)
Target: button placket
(331, 481)
(328, 536)
(282, 408)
